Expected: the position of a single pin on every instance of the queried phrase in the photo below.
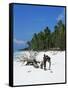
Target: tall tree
(47, 33)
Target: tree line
(48, 39)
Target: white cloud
(19, 41)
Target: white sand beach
(27, 75)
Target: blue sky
(30, 19)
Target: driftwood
(32, 62)
(29, 60)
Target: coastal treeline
(49, 39)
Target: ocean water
(17, 54)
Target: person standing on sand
(45, 59)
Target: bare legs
(43, 65)
(49, 65)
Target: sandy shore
(27, 75)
